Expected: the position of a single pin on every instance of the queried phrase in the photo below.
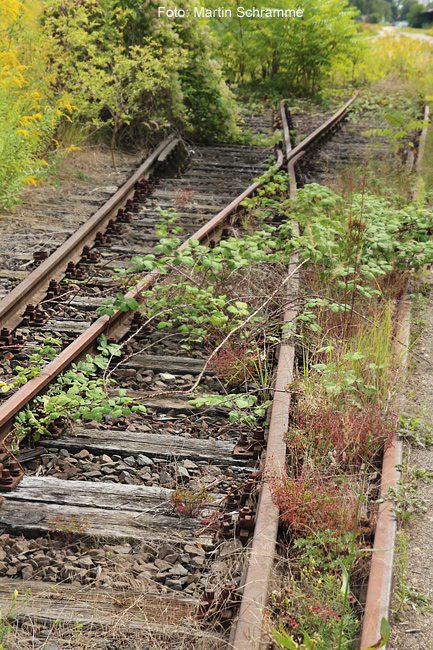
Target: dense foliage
(116, 68)
(289, 54)
(127, 68)
(108, 65)
(416, 16)
(30, 110)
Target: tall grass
(362, 366)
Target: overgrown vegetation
(68, 528)
(290, 54)
(78, 393)
(407, 61)
(131, 73)
(30, 108)
(188, 502)
(115, 70)
(348, 374)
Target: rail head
(286, 130)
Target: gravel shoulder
(412, 630)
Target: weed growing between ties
(188, 502)
(68, 528)
(77, 394)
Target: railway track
(94, 529)
(138, 462)
(349, 150)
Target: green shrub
(131, 72)
(290, 54)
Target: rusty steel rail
(34, 287)
(249, 631)
(286, 130)
(379, 590)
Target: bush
(30, 109)
(288, 54)
(131, 72)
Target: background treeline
(376, 11)
(279, 54)
(71, 70)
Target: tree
(414, 15)
(286, 53)
(130, 72)
(406, 7)
(376, 10)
